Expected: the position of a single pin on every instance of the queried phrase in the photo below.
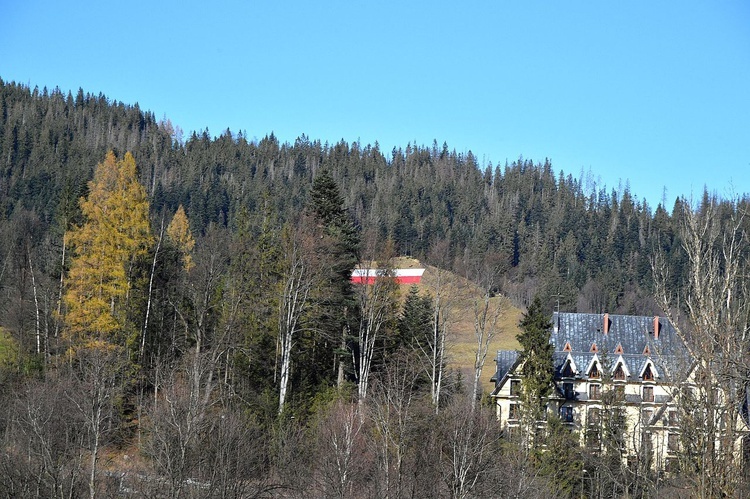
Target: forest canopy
(219, 269)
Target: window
(618, 418)
(595, 392)
(513, 412)
(648, 393)
(593, 416)
(567, 371)
(619, 393)
(594, 372)
(647, 446)
(619, 374)
(646, 416)
(673, 417)
(566, 414)
(593, 438)
(673, 442)
(515, 387)
(648, 375)
(568, 390)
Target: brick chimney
(606, 324)
(656, 327)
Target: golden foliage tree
(115, 234)
(179, 232)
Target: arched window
(648, 374)
(619, 374)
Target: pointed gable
(620, 371)
(619, 349)
(567, 347)
(594, 348)
(593, 370)
(648, 371)
(569, 368)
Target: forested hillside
(553, 233)
(179, 308)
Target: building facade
(615, 382)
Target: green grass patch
(8, 348)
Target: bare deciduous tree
(391, 411)
(43, 454)
(377, 302)
(298, 280)
(471, 440)
(488, 310)
(716, 299)
(342, 454)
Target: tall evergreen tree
(415, 322)
(338, 250)
(536, 360)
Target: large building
(626, 366)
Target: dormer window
(515, 387)
(594, 372)
(619, 374)
(567, 371)
(648, 374)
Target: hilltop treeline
(560, 235)
(187, 300)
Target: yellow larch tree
(116, 232)
(178, 232)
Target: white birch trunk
(36, 306)
(291, 307)
(377, 303)
(150, 290)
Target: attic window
(567, 370)
(619, 374)
(648, 374)
(594, 348)
(567, 348)
(647, 351)
(594, 372)
(619, 350)
(515, 387)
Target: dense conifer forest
(176, 316)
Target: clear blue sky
(656, 94)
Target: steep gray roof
(506, 360)
(627, 339)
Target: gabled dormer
(569, 368)
(620, 371)
(648, 371)
(594, 369)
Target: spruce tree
(536, 361)
(415, 323)
(337, 248)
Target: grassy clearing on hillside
(462, 343)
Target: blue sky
(652, 94)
